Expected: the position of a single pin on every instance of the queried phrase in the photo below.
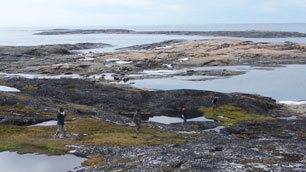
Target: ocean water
(25, 36)
(282, 83)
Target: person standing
(61, 121)
(137, 120)
(184, 114)
(214, 102)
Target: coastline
(100, 112)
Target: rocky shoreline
(245, 34)
(252, 136)
(266, 145)
(175, 54)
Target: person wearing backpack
(61, 122)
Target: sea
(24, 36)
(259, 82)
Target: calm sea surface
(24, 36)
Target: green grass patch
(4, 84)
(40, 139)
(25, 108)
(18, 96)
(28, 88)
(76, 106)
(302, 134)
(229, 114)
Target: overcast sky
(148, 12)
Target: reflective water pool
(170, 120)
(8, 89)
(13, 162)
(281, 83)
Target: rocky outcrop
(277, 147)
(159, 45)
(46, 50)
(174, 54)
(22, 120)
(80, 31)
(121, 99)
(246, 34)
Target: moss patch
(18, 96)
(25, 108)
(302, 134)
(40, 139)
(96, 160)
(76, 106)
(28, 88)
(229, 114)
(261, 161)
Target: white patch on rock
(183, 59)
(112, 60)
(124, 62)
(87, 59)
(165, 47)
(293, 102)
(168, 65)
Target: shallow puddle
(8, 89)
(171, 120)
(106, 76)
(289, 118)
(39, 76)
(13, 162)
(47, 123)
(217, 129)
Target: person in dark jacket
(184, 115)
(61, 121)
(137, 120)
(214, 102)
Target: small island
(245, 34)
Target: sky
(149, 12)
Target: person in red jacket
(184, 114)
(61, 121)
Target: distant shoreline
(245, 34)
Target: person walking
(184, 115)
(61, 122)
(214, 102)
(137, 120)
